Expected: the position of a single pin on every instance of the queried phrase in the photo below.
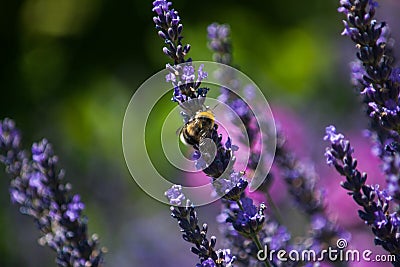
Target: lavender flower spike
(301, 180)
(375, 203)
(182, 73)
(193, 233)
(377, 80)
(37, 187)
(219, 43)
(169, 28)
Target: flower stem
(259, 246)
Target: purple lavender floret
(9, 135)
(37, 187)
(231, 187)
(207, 263)
(225, 258)
(247, 219)
(75, 208)
(10, 142)
(375, 203)
(273, 235)
(332, 136)
(357, 73)
(186, 85)
(175, 195)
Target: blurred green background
(68, 69)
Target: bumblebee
(197, 128)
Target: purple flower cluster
(219, 43)
(193, 233)
(377, 80)
(186, 86)
(375, 203)
(246, 218)
(37, 187)
(168, 24)
(244, 221)
(182, 73)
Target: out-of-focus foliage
(68, 69)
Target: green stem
(239, 204)
(259, 246)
